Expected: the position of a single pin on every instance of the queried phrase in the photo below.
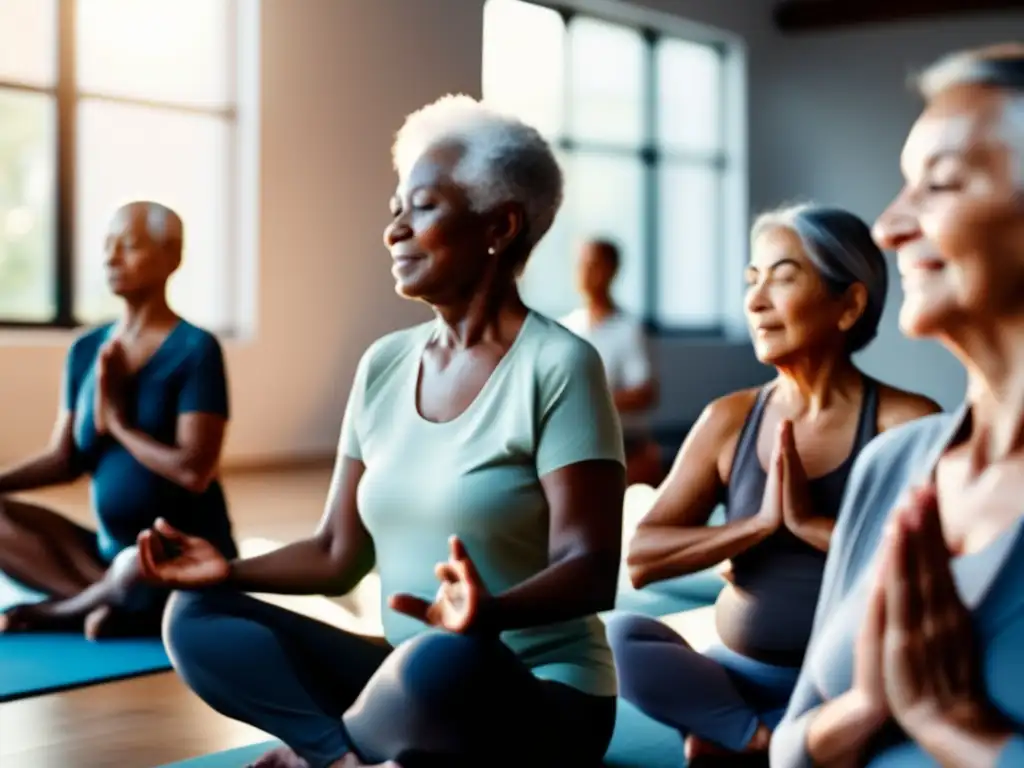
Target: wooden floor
(154, 720)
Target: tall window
(103, 102)
(638, 121)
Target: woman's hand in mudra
(170, 558)
(460, 601)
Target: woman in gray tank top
(778, 458)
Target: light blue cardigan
(991, 583)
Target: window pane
(126, 153)
(161, 50)
(28, 41)
(27, 179)
(525, 79)
(688, 259)
(689, 96)
(606, 82)
(603, 198)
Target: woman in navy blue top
(144, 410)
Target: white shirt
(622, 344)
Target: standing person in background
(622, 344)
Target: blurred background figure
(622, 343)
(143, 415)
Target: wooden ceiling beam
(808, 16)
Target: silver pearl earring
(491, 251)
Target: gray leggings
(439, 699)
(719, 696)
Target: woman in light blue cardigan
(915, 658)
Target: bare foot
(106, 622)
(695, 747)
(282, 757)
(351, 761)
(38, 617)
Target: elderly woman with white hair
(480, 468)
(779, 458)
(915, 659)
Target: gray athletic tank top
(768, 615)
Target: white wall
(827, 116)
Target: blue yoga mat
(638, 742)
(35, 664)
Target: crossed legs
(49, 553)
(439, 699)
(719, 699)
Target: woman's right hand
(170, 558)
(773, 501)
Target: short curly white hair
(504, 159)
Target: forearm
(660, 552)
(816, 531)
(176, 464)
(48, 468)
(839, 731)
(306, 567)
(575, 586)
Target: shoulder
(384, 353)
(897, 407)
(395, 344)
(717, 430)
(199, 342)
(557, 351)
(723, 418)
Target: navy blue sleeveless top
(768, 614)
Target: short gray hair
(1000, 66)
(840, 246)
(997, 66)
(504, 159)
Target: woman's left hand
(930, 669)
(461, 599)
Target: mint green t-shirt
(546, 405)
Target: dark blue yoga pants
(438, 699)
(719, 696)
